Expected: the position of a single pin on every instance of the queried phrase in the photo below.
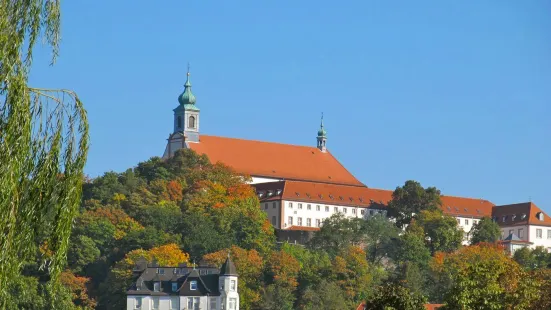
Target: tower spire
(322, 136)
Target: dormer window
(160, 271)
(270, 193)
(174, 286)
(513, 217)
(523, 216)
(193, 285)
(191, 122)
(504, 218)
(157, 286)
(278, 192)
(540, 216)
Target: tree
(532, 259)
(337, 234)
(351, 272)
(395, 297)
(79, 290)
(277, 297)
(411, 199)
(485, 230)
(483, 277)
(410, 247)
(440, 231)
(325, 295)
(249, 265)
(43, 147)
(82, 252)
(380, 233)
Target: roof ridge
(324, 182)
(473, 198)
(259, 141)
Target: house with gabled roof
(300, 186)
(183, 287)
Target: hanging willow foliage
(43, 148)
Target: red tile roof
(433, 306)
(275, 160)
(525, 213)
(362, 197)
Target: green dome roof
(187, 99)
(322, 132)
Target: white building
(525, 220)
(184, 288)
(300, 186)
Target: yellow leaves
(117, 198)
(165, 255)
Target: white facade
(538, 235)
(135, 302)
(286, 213)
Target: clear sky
(454, 94)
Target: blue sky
(454, 94)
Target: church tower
(186, 121)
(186, 115)
(322, 137)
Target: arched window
(179, 121)
(191, 123)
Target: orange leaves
(174, 190)
(284, 268)
(78, 287)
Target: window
(290, 220)
(539, 233)
(266, 206)
(274, 220)
(318, 222)
(157, 286)
(336, 209)
(308, 222)
(193, 303)
(300, 205)
(160, 271)
(179, 122)
(343, 210)
(466, 222)
(233, 304)
(174, 286)
(308, 207)
(353, 211)
(290, 205)
(193, 285)
(138, 304)
(362, 212)
(318, 208)
(232, 285)
(326, 209)
(213, 303)
(458, 221)
(154, 302)
(273, 205)
(299, 221)
(191, 122)
(520, 233)
(173, 303)
(370, 212)
(549, 234)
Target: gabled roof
(335, 194)
(274, 160)
(525, 213)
